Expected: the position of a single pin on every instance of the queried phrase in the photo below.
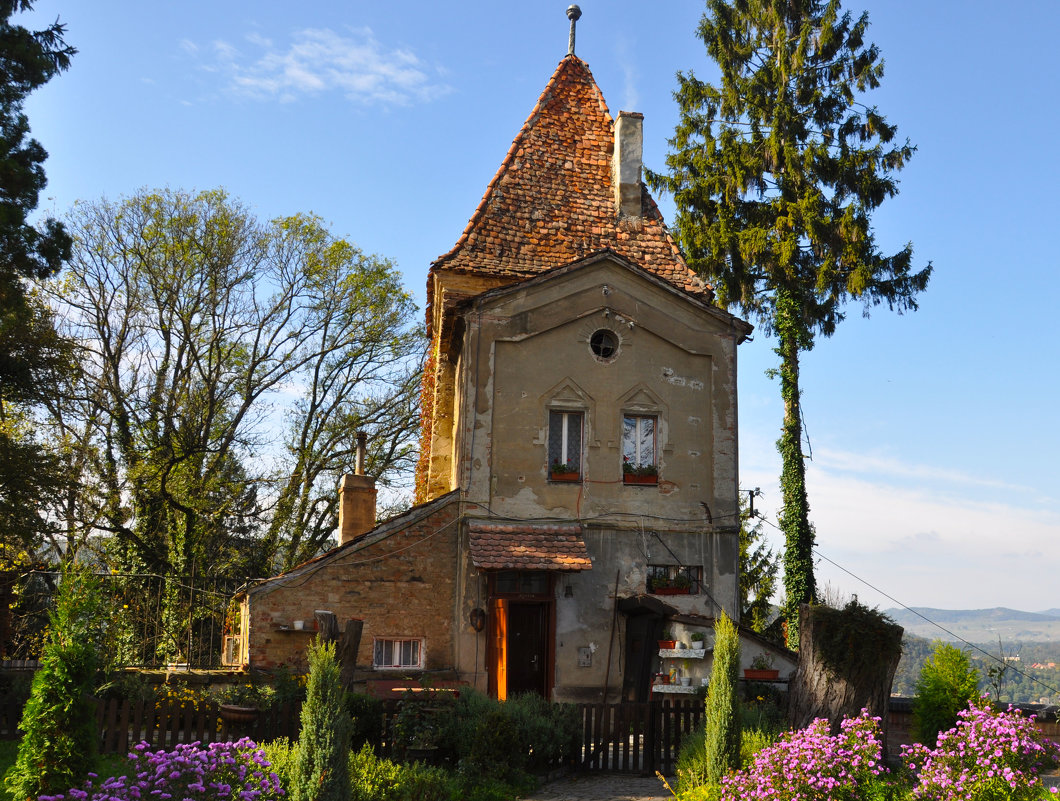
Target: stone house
(577, 486)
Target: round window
(604, 344)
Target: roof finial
(573, 14)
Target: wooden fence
(636, 737)
(123, 723)
(626, 738)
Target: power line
(937, 625)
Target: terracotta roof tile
(527, 546)
(551, 202)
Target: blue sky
(934, 434)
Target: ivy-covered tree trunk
(800, 587)
(847, 660)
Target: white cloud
(320, 60)
(925, 535)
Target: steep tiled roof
(552, 201)
(527, 546)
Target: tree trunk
(799, 584)
(346, 652)
(847, 660)
(327, 625)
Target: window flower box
(761, 674)
(564, 476)
(657, 590)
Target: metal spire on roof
(573, 14)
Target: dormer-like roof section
(552, 200)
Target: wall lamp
(478, 618)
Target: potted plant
(761, 669)
(639, 473)
(696, 639)
(240, 704)
(667, 643)
(419, 724)
(564, 471)
(680, 584)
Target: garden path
(601, 787)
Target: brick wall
(401, 583)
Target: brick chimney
(626, 164)
(356, 498)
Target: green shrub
(722, 719)
(321, 772)
(376, 779)
(282, 756)
(366, 720)
(946, 684)
(59, 745)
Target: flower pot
(564, 476)
(235, 715)
(754, 674)
(667, 645)
(630, 478)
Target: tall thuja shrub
(321, 773)
(58, 746)
(722, 724)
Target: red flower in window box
(639, 473)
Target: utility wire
(955, 636)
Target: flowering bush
(188, 772)
(811, 765)
(987, 755)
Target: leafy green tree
(758, 576)
(229, 364)
(775, 172)
(321, 773)
(722, 714)
(946, 684)
(31, 354)
(58, 746)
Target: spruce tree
(31, 353)
(722, 716)
(322, 772)
(776, 172)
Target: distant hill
(980, 625)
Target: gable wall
(401, 586)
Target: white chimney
(625, 168)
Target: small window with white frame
(565, 445)
(394, 653)
(640, 462)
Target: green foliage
(366, 720)
(722, 716)
(321, 773)
(198, 319)
(946, 684)
(59, 741)
(758, 576)
(32, 355)
(856, 642)
(776, 172)
(505, 741)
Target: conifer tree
(722, 715)
(31, 354)
(776, 172)
(322, 771)
(58, 746)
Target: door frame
(496, 666)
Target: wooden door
(527, 648)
